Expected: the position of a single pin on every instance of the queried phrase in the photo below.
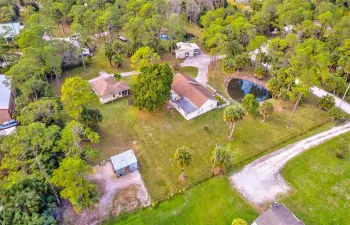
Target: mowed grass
(156, 135)
(213, 202)
(189, 71)
(320, 185)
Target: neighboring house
(277, 214)
(9, 30)
(190, 98)
(75, 43)
(124, 162)
(107, 89)
(184, 50)
(7, 100)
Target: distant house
(9, 30)
(184, 50)
(124, 162)
(277, 214)
(7, 100)
(107, 89)
(190, 98)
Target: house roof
(187, 87)
(278, 214)
(5, 93)
(8, 30)
(107, 85)
(186, 46)
(123, 160)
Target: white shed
(184, 50)
(124, 162)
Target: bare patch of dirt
(116, 195)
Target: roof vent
(191, 82)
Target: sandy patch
(260, 182)
(116, 195)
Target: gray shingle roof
(278, 214)
(123, 160)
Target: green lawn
(211, 202)
(189, 71)
(321, 185)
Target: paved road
(202, 62)
(320, 93)
(260, 182)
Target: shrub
(335, 113)
(239, 222)
(326, 102)
(250, 103)
(259, 72)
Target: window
(113, 95)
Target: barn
(124, 162)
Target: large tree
(249, 103)
(75, 95)
(222, 158)
(152, 87)
(232, 115)
(143, 57)
(183, 158)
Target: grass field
(189, 71)
(321, 185)
(213, 202)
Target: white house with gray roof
(124, 162)
(184, 50)
(7, 99)
(9, 30)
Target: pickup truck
(8, 124)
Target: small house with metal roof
(124, 162)
(184, 50)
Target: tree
(71, 177)
(108, 52)
(232, 115)
(335, 113)
(260, 72)
(153, 86)
(239, 222)
(75, 95)
(249, 103)
(241, 61)
(266, 108)
(143, 57)
(183, 158)
(28, 202)
(91, 118)
(221, 158)
(117, 77)
(326, 102)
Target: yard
(199, 205)
(321, 185)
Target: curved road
(260, 182)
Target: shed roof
(278, 214)
(107, 85)
(123, 160)
(5, 93)
(187, 46)
(187, 87)
(8, 30)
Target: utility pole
(346, 92)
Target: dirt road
(260, 182)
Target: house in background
(107, 89)
(7, 100)
(190, 98)
(277, 214)
(124, 162)
(184, 50)
(9, 30)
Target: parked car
(8, 124)
(122, 38)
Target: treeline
(299, 43)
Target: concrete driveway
(260, 182)
(202, 62)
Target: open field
(212, 202)
(321, 184)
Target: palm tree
(232, 115)
(182, 158)
(266, 108)
(221, 158)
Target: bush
(239, 222)
(326, 102)
(250, 103)
(259, 72)
(335, 113)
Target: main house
(107, 89)
(7, 100)
(184, 50)
(190, 98)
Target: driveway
(201, 62)
(260, 182)
(320, 93)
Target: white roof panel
(5, 93)
(8, 30)
(123, 160)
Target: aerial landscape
(175, 112)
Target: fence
(227, 102)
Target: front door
(187, 54)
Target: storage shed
(124, 162)
(185, 50)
